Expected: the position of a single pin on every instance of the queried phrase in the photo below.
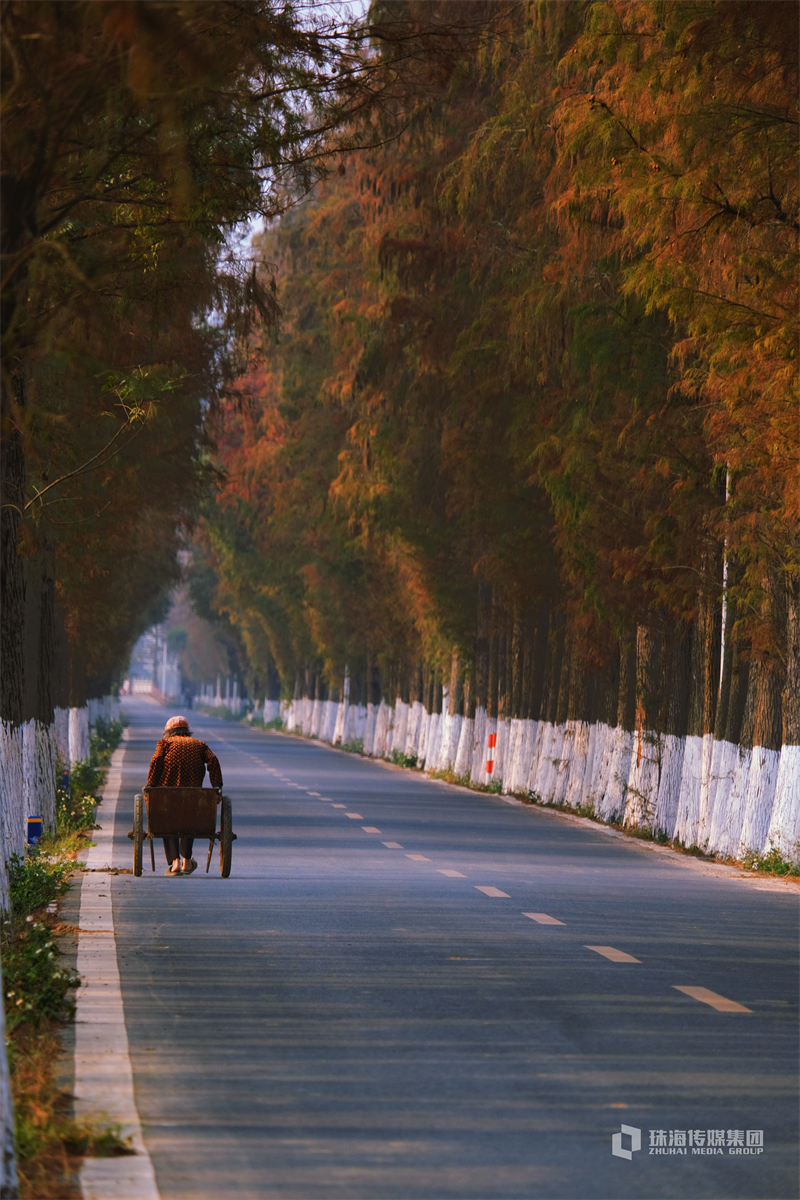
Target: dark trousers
(174, 846)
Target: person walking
(180, 760)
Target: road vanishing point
(409, 991)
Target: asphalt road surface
(407, 991)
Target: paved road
(364, 1011)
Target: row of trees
(532, 405)
(137, 139)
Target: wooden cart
(183, 812)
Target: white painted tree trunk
(541, 738)
(400, 727)
(39, 772)
(730, 823)
(688, 818)
(563, 764)
(413, 731)
(581, 744)
(501, 760)
(61, 718)
(422, 743)
(641, 797)
(369, 728)
(597, 781)
(449, 748)
(526, 755)
(669, 785)
(612, 803)
(434, 741)
(78, 734)
(11, 790)
(338, 725)
(477, 772)
(381, 722)
(513, 738)
(723, 767)
(464, 752)
(784, 826)
(761, 787)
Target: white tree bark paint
(11, 790)
(641, 797)
(369, 728)
(612, 802)
(477, 772)
(581, 744)
(669, 785)
(705, 806)
(761, 787)
(723, 767)
(400, 727)
(540, 739)
(78, 734)
(422, 743)
(513, 738)
(413, 730)
(501, 750)
(381, 721)
(463, 761)
(687, 821)
(731, 821)
(434, 741)
(784, 826)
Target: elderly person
(180, 760)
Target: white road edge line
(103, 1074)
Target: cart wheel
(138, 834)
(225, 837)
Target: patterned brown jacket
(181, 761)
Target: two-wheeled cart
(183, 812)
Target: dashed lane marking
(392, 845)
(542, 919)
(492, 891)
(614, 954)
(451, 874)
(354, 816)
(370, 829)
(338, 806)
(314, 794)
(720, 1003)
(418, 857)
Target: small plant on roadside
(35, 881)
(355, 747)
(35, 985)
(403, 760)
(772, 862)
(106, 736)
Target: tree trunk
(643, 777)
(612, 804)
(784, 827)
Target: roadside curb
(103, 1073)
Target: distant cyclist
(180, 760)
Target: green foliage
(773, 862)
(106, 736)
(357, 747)
(35, 985)
(404, 760)
(34, 881)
